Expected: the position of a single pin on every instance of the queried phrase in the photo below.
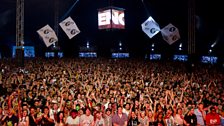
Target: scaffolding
(20, 33)
(191, 27)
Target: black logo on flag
(51, 40)
(46, 31)
(153, 30)
(172, 29)
(67, 23)
(74, 31)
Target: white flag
(150, 27)
(69, 27)
(48, 35)
(170, 33)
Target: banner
(150, 27)
(69, 27)
(170, 34)
(48, 35)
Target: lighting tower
(56, 22)
(20, 32)
(191, 27)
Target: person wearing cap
(213, 118)
(53, 111)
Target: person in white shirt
(179, 117)
(87, 119)
(126, 110)
(73, 119)
(99, 121)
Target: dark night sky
(41, 12)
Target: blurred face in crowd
(81, 112)
(108, 112)
(201, 106)
(213, 111)
(25, 113)
(61, 116)
(119, 110)
(25, 107)
(32, 111)
(10, 111)
(143, 114)
(191, 111)
(127, 106)
(46, 111)
(55, 106)
(98, 115)
(74, 114)
(150, 114)
(112, 100)
(179, 111)
(88, 112)
(36, 103)
(104, 100)
(136, 103)
(133, 115)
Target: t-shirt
(199, 116)
(179, 119)
(191, 119)
(11, 121)
(119, 120)
(133, 122)
(45, 122)
(72, 121)
(100, 122)
(31, 121)
(86, 120)
(213, 119)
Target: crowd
(110, 92)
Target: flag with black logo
(170, 34)
(69, 27)
(48, 35)
(150, 27)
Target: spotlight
(210, 50)
(180, 46)
(120, 44)
(153, 45)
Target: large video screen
(111, 18)
(120, 55)
(87, 54)
(29, 51)
(183, 58)
(209, 59)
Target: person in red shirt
(213, 118)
